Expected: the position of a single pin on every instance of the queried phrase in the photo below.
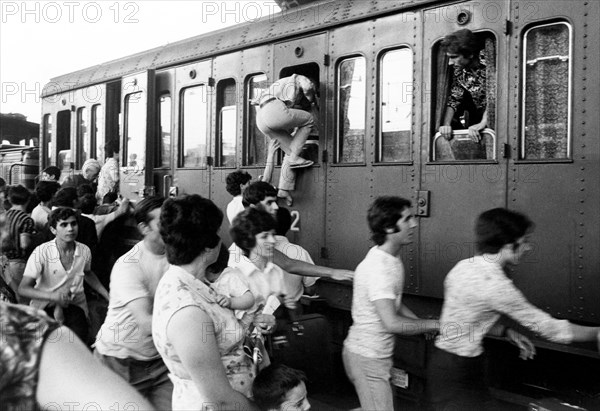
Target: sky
(40, 40)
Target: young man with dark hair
(236, 182)
(262, 195)
(124, 342)
(56, 270)
(21, 229)
(51, 173)
(108, 178)
(86, 232)
(476, 293)
(280, 388)
(377, 311)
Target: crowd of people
(188, 319)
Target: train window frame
(379, 122)
(83, 136)
(140, 164)
(181, 138)
(525, 63)
(338, 147)
(492, 151)
(47, 137)
(97, 136)
(222, 109)
(248, 109)
(159, 156)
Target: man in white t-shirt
(236, 182)
(377, 310)
(124, 342)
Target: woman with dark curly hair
(468, 88)
(199, 341)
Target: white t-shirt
(45, 267)
(295, 283)
(135, 275)
(379, 276)
(234, 207)
(40, 216)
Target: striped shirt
(18, 222)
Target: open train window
(463, 97)
(255, 146)
(135, 138)
(163, 151)
(546, 105)
(194, 139)
(97, 130)
(395, 105)
(226, 123)
(47, 133)
(83, 137)
(63, 140)
(351, 89)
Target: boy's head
(46, 189)
(87, 203)
(51, 173)
(18, 195)
(235, 181)
(384, 215)
(110, 148)
(498, 227)
(65, 197)
(261, 195)
(109, 198)
(247, 225)
(63, 223)
(280, 388)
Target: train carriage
(183, 117)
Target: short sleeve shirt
(135, 275)
(45, 267)
(18, 223)
(379, 276)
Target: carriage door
(194, 88)
(459, 178)
(307, 56)
(137, 129)
(163, 161)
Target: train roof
(315, 16)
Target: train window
(226, 123)
(193, 125)
(63, 139)
(546, 108)
(47, 130)
(135, 138)
(395, 102)
(163, 153)
(255, 143)
(351, 110)
(97, 129)
(83, 136)
(464, 96)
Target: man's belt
(267, 101)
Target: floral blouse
(22, 335)
(179, 289)
(472, 81)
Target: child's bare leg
(59, 314)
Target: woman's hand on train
(446, 132)
(474, 132)
(526, 347)
(265, 323)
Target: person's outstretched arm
(309, 270)
(70, 376)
